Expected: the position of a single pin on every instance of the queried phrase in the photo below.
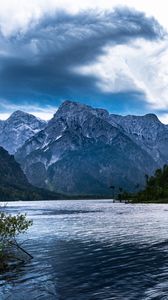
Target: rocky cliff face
(148, 133)
(17, 129)
(83, 150)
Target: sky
(111, 54)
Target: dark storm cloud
(38, 64)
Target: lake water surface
(91, 250)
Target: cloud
(40, 64)
(163, 118)
(18, 15)
(140, 65)
(44, 113)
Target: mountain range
(84, 150)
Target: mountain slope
(148, 133)
(17, 129)
(14, 184)
(83, 151)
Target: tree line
(156, 188)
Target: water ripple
(91, 250)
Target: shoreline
(89, 199)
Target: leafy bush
(10, 227)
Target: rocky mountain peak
(70, 109)
(23, 117)
(152, 117)
(18, 128)
(18, 113)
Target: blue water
(91, 250)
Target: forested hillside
(14, 184)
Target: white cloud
(44, 113)
(18, 14)
(4, 116)
(141, 66)
(163, 118)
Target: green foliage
(10, 227)
(156, 186)
(156, 189)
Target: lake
(91, 250)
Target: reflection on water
(91, 250)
